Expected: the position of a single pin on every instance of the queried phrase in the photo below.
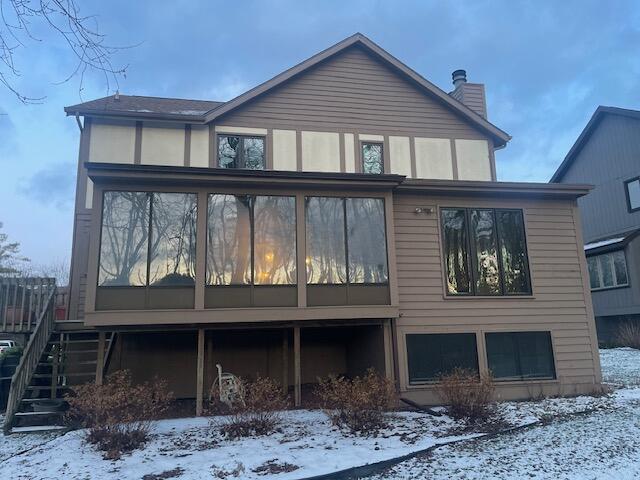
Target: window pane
(366, 240)
(620, 267)
(483, 234)
(173, 239)
(455, 251)
(326, 261)
(633, 188)
(228, 240)
(372, 161)
(520, 355)
(536, 357)
(594, 278)
(514, 251)
(430, 356)
(606, 268)
(124, 239)
(253, 153)
(274, 240)
(228, 148)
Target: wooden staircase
(68, 360)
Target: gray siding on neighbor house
(610, 156)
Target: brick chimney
(470, 94)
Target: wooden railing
(22, 301)
(30, 358)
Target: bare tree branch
(79, 33)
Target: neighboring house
(343, 215)
(607, 155)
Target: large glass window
(633, 194)
(430, 356)
(346, 241)
(372, 158)
(608, 270)
(251, 240)
(485, 252)
(235, 151)
(520, 355)
(147, 239)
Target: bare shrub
(118, 414)
(259, 412)
(467, 395)
(358, 405)
(628, 335)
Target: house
(343, 215)
(607, 155)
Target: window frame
(630, 208)
(346, 240)
(472, 254)
(149, 227)
(372, 142)
(242, 137)
(598, 257)
(512, 333)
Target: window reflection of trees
(372, 161)
(241, 152)
(232, 222)
(456, 258)
(326, 259)
(366, 240)
(124, 239)
(487, 270)
(513, 251)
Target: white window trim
(599, 259)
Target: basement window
(431, 356)
(235, 151)
(520, 355)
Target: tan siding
(352, 92)
(558, 300)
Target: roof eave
(199, 119)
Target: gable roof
(161, 108)
(588, 130)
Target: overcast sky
(546, 67)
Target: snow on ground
(604, 443)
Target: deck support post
(388, 350)
(285, 361)
(200, 373)
(100, 360)
(296, 366)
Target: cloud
(52, 185)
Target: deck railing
(22, 301)
(30, 357)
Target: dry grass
(628, 335)
(260, 411)
(358, 405)
(118, 414)
(467, 396)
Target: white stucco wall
(162, 146)
(433, 158)
(473, 160)
(199, 153)
(320, 152)
(284, 150)
(349, 153)
(400, 155)
(112, 142)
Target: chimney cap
(459, 76)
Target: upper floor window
(147, 239)
(346, 241)
(485, 252)
(633, 194)
(235, 151)
(251, 240)
(608, 270)
(372, 158)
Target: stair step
(88, 340)
(47, 387)
(36, 414)
(70, 352)
(37, 428)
